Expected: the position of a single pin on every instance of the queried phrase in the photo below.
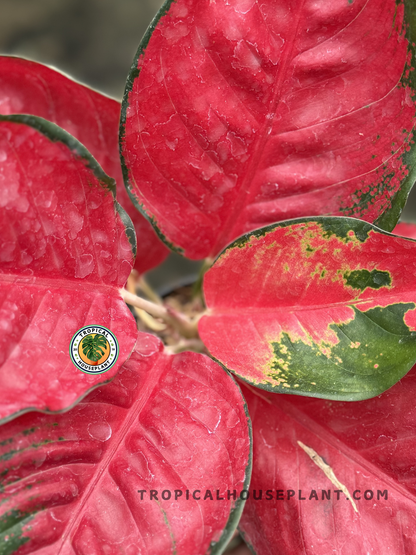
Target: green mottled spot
(366, 199)
(166, 520)
(11, 531)
(29, 431)
(6, 441)
(361, 279)
(40, 443)
(2, 475)
(342, 228)
(7, 456)
(349, 369)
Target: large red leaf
(369, 446)
(322, 307)
(239, 113)
(66, 247)
(166, 423)
(30, 88)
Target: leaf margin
(386, 221)
(391, 216)
(216, 547)
(365, 227)
(131, 77)
(57, 134)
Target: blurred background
(92, 40)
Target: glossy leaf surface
(167, 423)
(370, 447)
(322, 307)
(30, 88)
(66, 247)
(238, 114)
(405, 229)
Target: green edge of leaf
(390, 217)
(132, 76)
(333, 225)
(11, 526)
(243, 535)
(386, 221)
(10, 417)
(56, 134)
(216, 548)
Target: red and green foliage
(71, 482)
(31, 88)
(370, 447)
(276, 138)
(239, 114)
(335, 315)
(66, 247)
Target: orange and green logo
(94, 349)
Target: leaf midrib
(134, 411)
(263, 135)
(397, 298)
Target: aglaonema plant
(274, 141)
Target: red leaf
(322, 307)
(64, 253)
(369, 445)
(71, 482)
(238, 114)
(405, 230)
(31, 88)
